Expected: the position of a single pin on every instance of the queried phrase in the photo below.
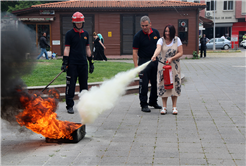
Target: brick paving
(208, 130)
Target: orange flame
(40, 117)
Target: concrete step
(133, 87)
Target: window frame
(209, 6)
(227, 5)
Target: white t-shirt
(160, 42)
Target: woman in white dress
(169, 48)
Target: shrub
(195, 55)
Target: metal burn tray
(77, 135)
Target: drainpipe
(197, 32)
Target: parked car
(219, 44)
(241, 44)
(244, 45)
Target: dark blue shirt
(77, 42)
(146, 44)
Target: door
(39, 28)
(220, 43)
(44, 28)
(130, 25)
(210, 44)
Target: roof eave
(123, 8)
(21, 11)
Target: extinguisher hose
(161, 62)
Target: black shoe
(145, 109)
(70, 110)
(156, 106)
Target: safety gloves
(91, 64)
(65, 63)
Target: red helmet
(78, 17)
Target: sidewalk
(209, 129)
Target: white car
(242, 42)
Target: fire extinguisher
(168, 76)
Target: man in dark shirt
(76, 52)
(144, 45)
(43, 44)
(203, 42)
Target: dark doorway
(130, 25)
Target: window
(228, 5)
(243, 12)
(183, 30)
(211, 5)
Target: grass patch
(224, 51)
(45, 71)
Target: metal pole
(214, 27)
(52, 80)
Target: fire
(40, 117)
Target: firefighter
(144, 45)
(76, 53)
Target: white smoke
(98, 99)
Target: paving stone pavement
(208, 130)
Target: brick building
(116, 20)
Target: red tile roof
(119, 4)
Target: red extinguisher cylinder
(167, 76)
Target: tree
(5, 5)
(22, 4)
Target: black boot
(145, 109)
(156, 106)
(70, 110)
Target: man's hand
(65, 63)
(91, 64)
(91, 68)
(153, 58)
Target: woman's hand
(169, 60)
(153, 58)
(104, 48)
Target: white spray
(98, 99)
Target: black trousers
(73, 72)
(149, 74)
(203, 49)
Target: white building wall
(221, 15)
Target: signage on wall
(109, 34)
(234, 38)
(56, 42)
(183, 24)
(35, 19)
(47, 12)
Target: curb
(133, 87)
